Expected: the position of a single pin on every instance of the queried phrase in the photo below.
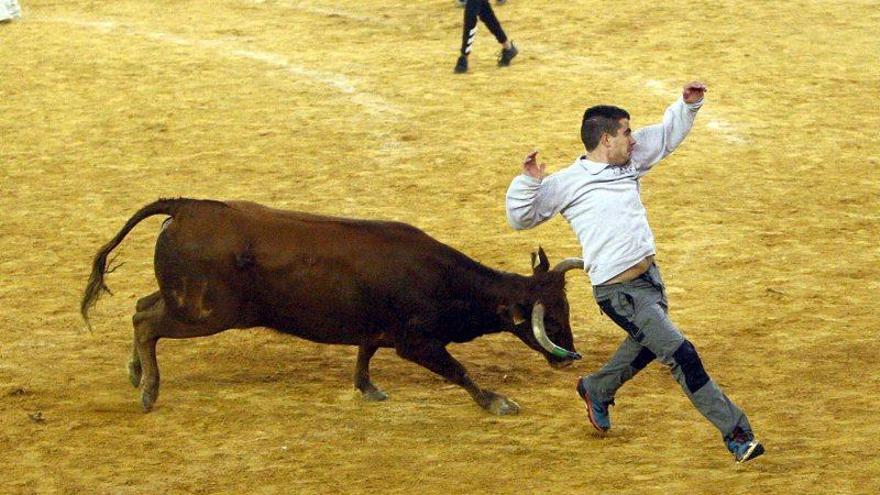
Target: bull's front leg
(434, 356)
(362, 374)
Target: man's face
(621, 144)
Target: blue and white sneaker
(597, 411)
(743, 445)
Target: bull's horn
(541, 335)
(569, 264)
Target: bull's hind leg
(152, 324)
(135, 371)
(144, 355)
(435, 357)
(362, 374)
(134, 364)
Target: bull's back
(287, 239)
(327, 279)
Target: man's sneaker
(500, 2)
(743, 445)
(597, 411)
(461, 65)
(507, 55)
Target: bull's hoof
(147, 401)
(502, 406)
(134, 373)
(375, 395)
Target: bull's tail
(96, 283)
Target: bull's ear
(540, 263)
(513, 313)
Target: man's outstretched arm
(532, 197)
(653, 143)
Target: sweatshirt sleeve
(531, 202)
(653, 143)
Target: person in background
(9, 10)
(482, 9)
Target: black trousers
(481, 9)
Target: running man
(599, 196)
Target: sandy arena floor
(767, 221)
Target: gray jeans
(641, 309)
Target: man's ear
(540, 263)
(512, 312)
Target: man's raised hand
(693, 92)
(532, 168)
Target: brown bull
(373, 284)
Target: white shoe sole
(751, 450)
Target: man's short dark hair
(600, 119)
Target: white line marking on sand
(374, 104)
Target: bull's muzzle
(541, 335)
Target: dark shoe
(500, 2)
(507, 55)
(597, 411)
(461, 65)
(743, 445)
